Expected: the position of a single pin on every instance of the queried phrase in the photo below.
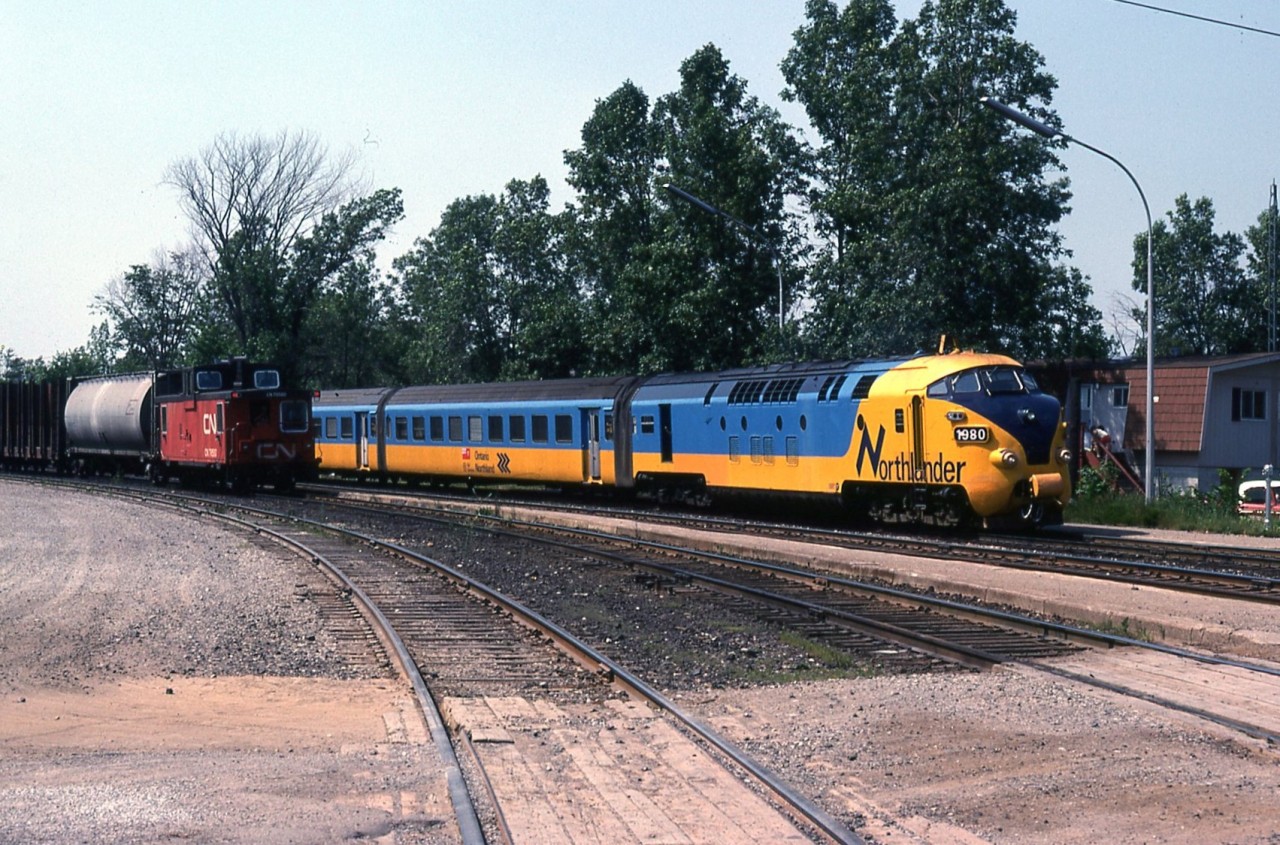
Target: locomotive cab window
(294, 415)
(266, 379)
(208, 380)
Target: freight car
(942, 438)
(31, 432)
(230, 422)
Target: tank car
(109, 423)
(943, 438)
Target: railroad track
(1203, 569)
(828, 608)
(484, 646)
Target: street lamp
(751, 230)
(1049, 132)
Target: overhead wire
(1182, 14)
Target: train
(950, 439)
(230, 422)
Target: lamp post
(751, 230)
(1049, 132)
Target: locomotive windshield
(990, 380)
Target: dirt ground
(156, 689)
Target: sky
(451, 99)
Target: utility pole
(1271, 227)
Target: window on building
(1120, 396)
(1248, 404)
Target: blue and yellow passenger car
(940, 438)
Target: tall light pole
(1049, 132)
(751, 230)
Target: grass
(1096, 503)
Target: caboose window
(294, 415)
(564, 428)
(266, 379)
(208, 380)
(540, 428)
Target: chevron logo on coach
(504, 462)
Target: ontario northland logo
(903, 467)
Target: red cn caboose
(232, 421)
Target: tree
(353, 317)
(274, 220)
(1263, 239)
(152, 309)
(936, 217)
(668, 286)
(1203, 303)
(486, 295)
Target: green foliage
(1205, 302)
(1099, 483)
(153, 310)
(1096, 502)
(485, 296)
(669, 286)
(937, 216)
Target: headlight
(1005, 458)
